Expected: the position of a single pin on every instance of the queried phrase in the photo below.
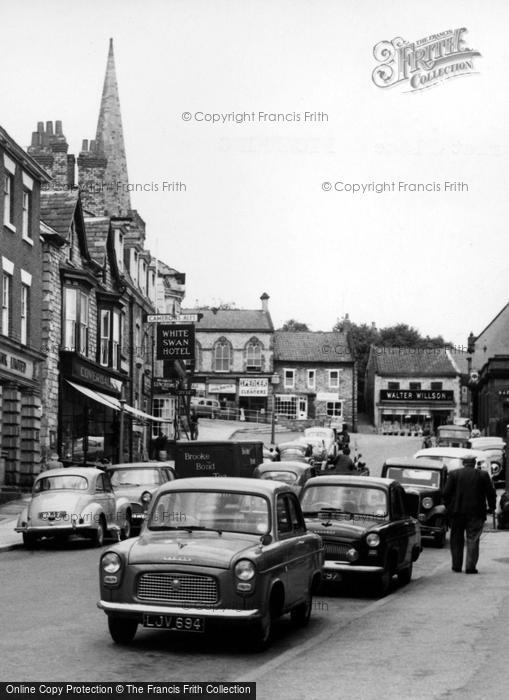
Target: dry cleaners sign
(175, 342)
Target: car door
(403, 528)
(300, 568)
(106, 498)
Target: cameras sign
(175, 342)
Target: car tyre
(263, 634)
(383, 584)
(122, 631)
(405, 575)
(29, 540)
(98, 533)
(439, 539)
(301, 614)
(125, 530)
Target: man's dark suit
(465, 496)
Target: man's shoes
(471, 571)
(458, 571)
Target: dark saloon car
(503, 512)
(366, 529)
(295, 474)
(229, 550)
(137, 481)
(424, 480)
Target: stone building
(21, 346)
(409, 390)
(234, 357)
(317, 378)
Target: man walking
(465, 496)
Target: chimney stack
(265, 302)
(49, 148)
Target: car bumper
(136, 611)
(50, 531)
(345, 567)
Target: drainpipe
(131, 369)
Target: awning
(114, 403)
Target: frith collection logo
(423, 63)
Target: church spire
(110, 143)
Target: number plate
(331, 576)
(179, 623)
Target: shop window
(414, 386)
(334, 379)
(286, 405)
(436, 386)
(222, 356)
(334, 408)
(76, 320)
(254, 356)
(393, 386)
(311, 378)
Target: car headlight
(146, 497)
(245, 570)
(495, 469)
(111, 563)
(427, 502)
(373, 539)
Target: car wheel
(122, 631)
(29, 540)
(125, 530)
(439, 539)
(97, 536)
(382, 584)
(405, 575)
(301, 614)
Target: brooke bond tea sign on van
(175, 342)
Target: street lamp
(274, 380)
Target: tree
(294, 326)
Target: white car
(328, 435)
(453, 457)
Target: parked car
(366, 528)
(227, 550)
(74, 501)
(502, 515)
(137, 481)
(453, 457)
(328, 435)
(317, 449)
(206, 408)
(295, 474)
(425, 479)
(494, 447)
(295, 451)
(452, 436)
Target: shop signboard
(222, 388)
(253, 386)
(175, 342)
(417, 395)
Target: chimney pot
(84, 145)
(35, 138)
(58, 127)
(49, 128)
(92, 145)
(265, 301)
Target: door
(106, 498)
(302, 409)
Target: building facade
(234, 358)
(317, 378)
(22, 349)
(409, 390)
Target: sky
(253, 213)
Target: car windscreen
(450, 462)
(344, 498)
(285, 476)
(211, 510)
(417, 477)
(59, 483)
(135, 477)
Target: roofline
(30, 163)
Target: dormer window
(119, 249)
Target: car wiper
(192, 528)
(126, 483)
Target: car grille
(336, 550)
(178, 588)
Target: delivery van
(217, 458)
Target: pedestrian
(466, 493)
(193, 424)
(343, 464)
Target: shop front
(412, 412)
(253, 397)
(89, 417)
(20, 414)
